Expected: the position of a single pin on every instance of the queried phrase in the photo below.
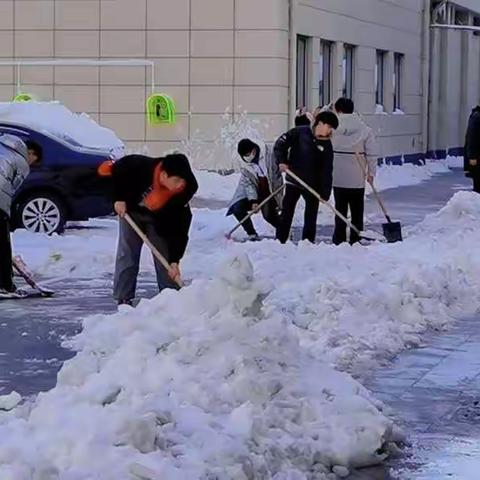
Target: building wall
(211, 56)
(454, 85)
(392, 26)
(217, 56)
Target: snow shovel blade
(392, 232)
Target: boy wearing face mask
(260, 176)
(307, 152)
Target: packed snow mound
(58, 120)
(462, 213)
(197, 384)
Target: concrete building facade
(219, 58)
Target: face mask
(250, 158)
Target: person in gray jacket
(260, 176)
(355, 161)
(15, 161)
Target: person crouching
(156, 193)
(259, 177)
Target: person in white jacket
(355, 162)
(15, 160)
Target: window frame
(302, 73)
(325, 72)
(380, 67)
(398, 66)
(348, 70)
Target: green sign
(160, 109)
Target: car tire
(42, 212)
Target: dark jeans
(128, 259)
(345, 199)
(476, 183)
(6, 267)
(241, 209)
(292, 196)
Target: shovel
(255, 210)
(391, 230)
(152, 247)
(331, 207)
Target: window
(302, 71)
(380, 78)
(325, 85)
(348, 70)
(397, 81)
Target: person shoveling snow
(260, 179)
(155, 193)
(15, 161)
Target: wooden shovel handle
(151, 246)
(374, 189)
(321, 200)
(255, 210)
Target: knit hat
(245, 147)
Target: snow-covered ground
(247, 371)
(221, 187)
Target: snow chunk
(10, 401)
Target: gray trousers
(127, 263)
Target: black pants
(476, 183)
(292, 196)
(6, 267)
(345, 199)
(241, 209)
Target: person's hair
(246, 146)
(174, 165)
(302, 120)
(344, 105)
(36, 148)
(328, 118)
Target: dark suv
(64, 187)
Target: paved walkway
(434, 393)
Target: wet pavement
(32, 330)
(433, 392)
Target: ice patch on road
(204, 383)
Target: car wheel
(42, 213)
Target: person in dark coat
(308, 153)
(472, 149)
(156, 193)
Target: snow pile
(221, 187)
(202, 383)
(393, 176)
(56, 119)
(455, 162)
(213, 186)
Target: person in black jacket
(156, 193)
(472, 149)
(307, 152)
